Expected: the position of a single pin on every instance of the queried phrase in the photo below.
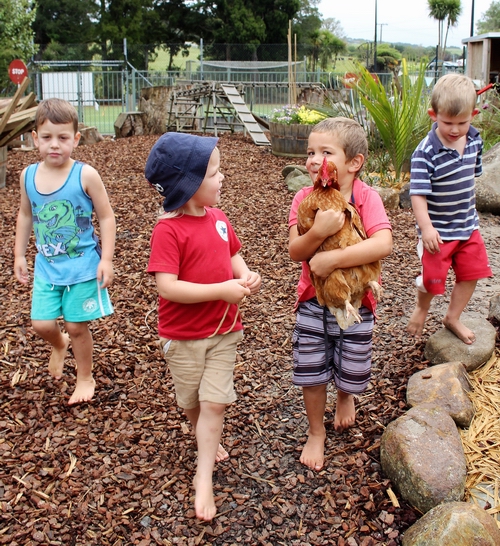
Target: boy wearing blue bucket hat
(201, 279)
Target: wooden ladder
(244, 114)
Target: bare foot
(204, 505)
(345, 414)
(221, 455)
(460, 330)
(84, 391)
(416, 323)
(56, 362)
(313, 454)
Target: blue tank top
(68, 249)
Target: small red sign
(17, 71)
(350, 79)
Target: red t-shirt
(197, 249)
(371, 209)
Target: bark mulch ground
(118, 471)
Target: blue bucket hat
(177, 165)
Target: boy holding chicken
(317, 338)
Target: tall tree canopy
(64, 28)
(16, 36)
(490, 20)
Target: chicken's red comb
(324, 169)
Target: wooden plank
(18, 130)
(12, 106)
(23, 104)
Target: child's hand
(252, 281)
(431, 240)
(321, 264)
(21, 270)
(328, 222)
(105, 273)
(235, 290)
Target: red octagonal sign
(17, 71)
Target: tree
(246, 22)
(64, 29)
(306, 21)
(490, 20)
(331, 47)
(119, 19)
(389, 58)
(16, 36)
(171, 25)
(444, 11)
(334, 26)
(235, 22)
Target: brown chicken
(343, 290)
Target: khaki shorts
(202, 369)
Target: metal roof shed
(483, 57)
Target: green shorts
(79, 302)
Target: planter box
(289, 140)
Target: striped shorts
(312, 347)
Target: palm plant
(400, 115)
(444, 10)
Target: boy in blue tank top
(72, 272)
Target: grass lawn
(103, 119)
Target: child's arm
(376, 247)
(24, 225)
(430, 236)
(94, 186)
(326, 223)
(240, 271)
(172, 289)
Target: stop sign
(17, 71)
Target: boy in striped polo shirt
(443, 168)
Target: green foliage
(63, 28)
(400, 115)
(16, 36)
(388, 57)
(488, 120)
(490, 21)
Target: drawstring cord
(224, 318)
(53, 286)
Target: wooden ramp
(244, 114)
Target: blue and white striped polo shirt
(447, 181)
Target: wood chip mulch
(118, 471)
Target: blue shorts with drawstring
(317, 354)
(79, 302)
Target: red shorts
(468, 259)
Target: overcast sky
(405, 21)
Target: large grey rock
(389, 196)
(444, 386)
(494, 309)
(453, 524)
(404, 197)
(444, 346)
(421, 453)
(295, 178)
(488, 184)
